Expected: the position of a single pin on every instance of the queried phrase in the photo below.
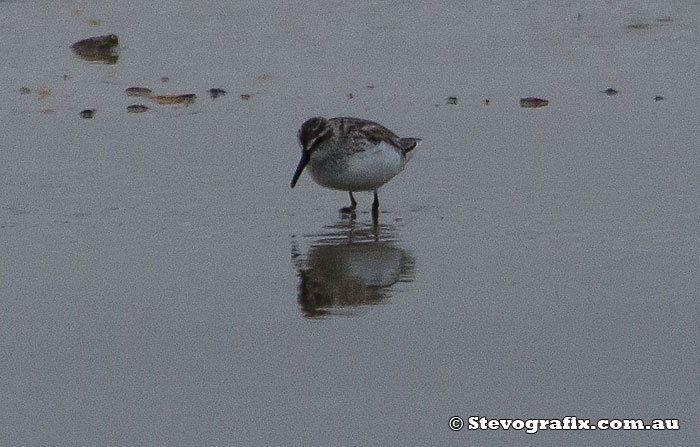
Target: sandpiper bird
(351, 154)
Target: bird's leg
(375, 208)
(351, 208)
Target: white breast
(361, 171)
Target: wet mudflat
(161, 284)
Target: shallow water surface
(162, 285)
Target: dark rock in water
(452, 100)
(98, 49)
(659, 98)
(87, 113)
(137, 108)
(532, 103)
(138, 91)
(216, 92)
(99, 42)
(610, 91)
(185, 99)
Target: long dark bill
(300, 167)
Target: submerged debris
(659, 98)
(87, 113)
(245, 97)
(98, 49)
(486, 101)
(216, 92)
(25, 90)
(43, 92)
(138, 91)
(638, 26)
(610, 91)
(137, 108)
(185, 99)
(452, 100)
(349, 96)
(164, 79)
(532, 102)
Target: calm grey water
(162, 285)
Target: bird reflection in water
(349, 266)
